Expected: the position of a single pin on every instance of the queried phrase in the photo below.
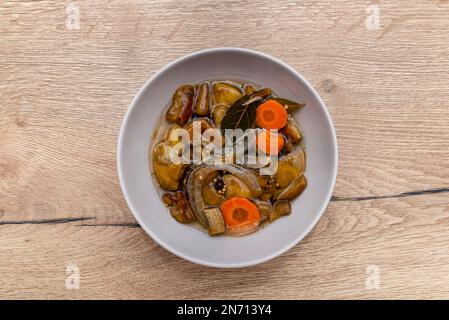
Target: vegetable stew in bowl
(228, 157)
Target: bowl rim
(125, 124)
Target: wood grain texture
(63, 94)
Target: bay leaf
(240, 115)
(292, 105)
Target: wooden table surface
(64, 91)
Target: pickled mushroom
(181, 108)
(202, 101)
(168, 174)
(280, 208)
(249, 89)
(225, 93)
(218, 113)
(236, 187)
(294, 189)
(289, 167)
(292, 130)
(173, 134)
(179, 208)
(204, 125)
(215, 221)
(265, 209)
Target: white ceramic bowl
(142, 196)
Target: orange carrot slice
(264, 139)
(239, 212)
(271, 115)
